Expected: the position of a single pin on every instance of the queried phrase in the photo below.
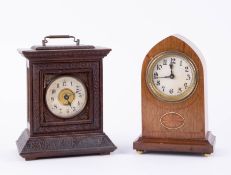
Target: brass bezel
(157, 93)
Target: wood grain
(192, 109)
(44, 128)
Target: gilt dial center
(66, 96)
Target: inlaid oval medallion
(172, 120)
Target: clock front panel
(66, 97)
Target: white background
(130, 28)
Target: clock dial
(66, 97)
(171, 76)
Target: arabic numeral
(185, 85)
(188, 77)
(159, 67)
(164, 62)
(64, 83)
(186, 69)
(53, 91)
(77, 90)
(173, 60)
(171, 91)
(155, 75)
(158, 83)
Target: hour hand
(169, 76)
(69, 103)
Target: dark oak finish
(191, 116)
(48, 135)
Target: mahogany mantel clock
(65, 101)
(174, 116)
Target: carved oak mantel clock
(65, 101)
(174, 116)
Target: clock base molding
(34, 147)
(197, 146)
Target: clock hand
(69, 103)
(171, 75)
(66, 97)
(171, 67)
(165, 76)
(71, 94)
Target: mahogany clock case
(192, 135)
(50, 136)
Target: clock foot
(35, 147)
(207, 155)
(139, 152)
(196, 146)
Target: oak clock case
(174, 116)
(65, 104)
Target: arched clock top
(173, 93)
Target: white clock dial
(66, 97)
(171, 76)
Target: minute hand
(171, 67)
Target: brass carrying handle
(44, 41)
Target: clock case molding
(50, 136)
(193, 136)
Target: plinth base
(199, 146)
(36, 147)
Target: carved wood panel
(45, 122)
